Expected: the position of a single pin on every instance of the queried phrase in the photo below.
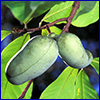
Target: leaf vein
(57, 12)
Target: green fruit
(35, 57)
(72, 51)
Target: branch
(36, 29)
(25, 90)
(73, 12)
(65, 29)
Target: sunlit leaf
(4, 33)
(61, 10)
(14, 91)
(54, 29)
(87, 13)
(62, 87)
(95, 64)
(9, 91)
(84, 89)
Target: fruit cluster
(40, 52)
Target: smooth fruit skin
(35, 57)
(72, 51)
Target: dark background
(89, 36)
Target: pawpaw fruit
(34, 58)
(72, 51)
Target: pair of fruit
(40, 52)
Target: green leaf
(14, 91)
(24, 11)
(9, 91)
(61, 10)
(20, 9)
(37, 8)
(44, 7)
(84, 89)
(95, 64)
(4, 33)
(62, 87)
(87, 13)
(54, 29)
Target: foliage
(28, 9)
(71, 84)
(88, 13)
(62, 87)
(4, 33)
(95, 64)
(8, 90)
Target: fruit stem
(25, 90)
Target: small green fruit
(72, 51)
(35, 57)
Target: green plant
(73, 82)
